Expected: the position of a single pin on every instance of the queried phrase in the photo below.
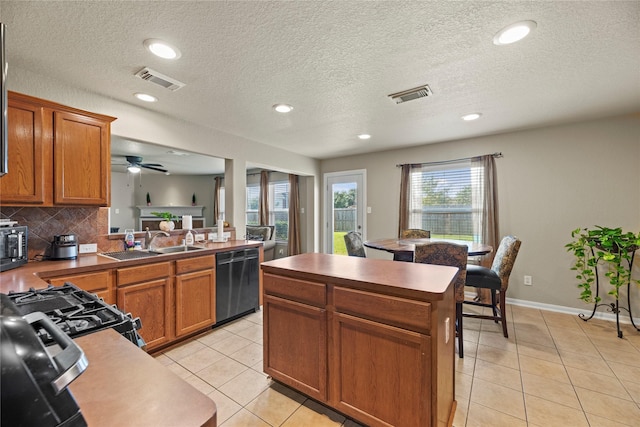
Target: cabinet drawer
(194, 264)
(91, 282)
(395, 311)
(129, 275)
(312, 293)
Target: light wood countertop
(31, 275)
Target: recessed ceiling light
(282, 108)
(514, 32)
(364, 136)
(472, 116)
(162, 49)
(145, 97)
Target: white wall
(550, 181)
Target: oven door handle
(71, 361)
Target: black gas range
(76, 312)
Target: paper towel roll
(187, 222)
(220, 229)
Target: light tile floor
(553, 370)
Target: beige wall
(550, 181)
(141, 124)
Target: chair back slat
(415, 233)
(505, 259)
(353, 242)
(445, 253)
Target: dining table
(402, 249)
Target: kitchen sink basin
(127, 255)
(174, 249)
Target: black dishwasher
(237, 283)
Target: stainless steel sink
(174, 249)
(127, 255)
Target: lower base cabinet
(297, 345)
(392, 365)
(145, 292)
(195, 294)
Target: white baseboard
(624, 316)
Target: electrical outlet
(527, 281)
(89, 248)
(199, 237)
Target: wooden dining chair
(446, 253)
(353, 242)
(496, 279)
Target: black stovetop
(75, 311)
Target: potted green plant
(168, 217)
(611, 246)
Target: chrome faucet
(149, 237)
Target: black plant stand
(613, 307)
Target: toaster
(64, 246)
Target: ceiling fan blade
(146, 166)
(158, 165)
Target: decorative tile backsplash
(89, 224)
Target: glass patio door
(344, 203)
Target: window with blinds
(446, 199)
(253, 202)
(278, 207)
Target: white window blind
(253, 202)
(446, 199)
(278, 207)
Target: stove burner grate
(76, 312)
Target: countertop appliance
(237, 283)
(76, 312)
(64, 246)
(13, 246)
(35, 379)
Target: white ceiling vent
(411, 94)
(159, 79)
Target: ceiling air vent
(411, 94)
(159, 79)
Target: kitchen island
(373, 339)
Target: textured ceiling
(336, 62)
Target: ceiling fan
(135, 163)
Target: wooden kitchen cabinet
(145, 292)
(58, 155)
(24, 183)
(373, 339)
(376, 327)
(295, 343)
(195, 294)
(99, 283)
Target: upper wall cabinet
(58, 155)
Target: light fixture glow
(364, 136)
(162, 49)
(514, 32)
(472, 116)
(283, 108)
(133, 169)
(145, 97)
